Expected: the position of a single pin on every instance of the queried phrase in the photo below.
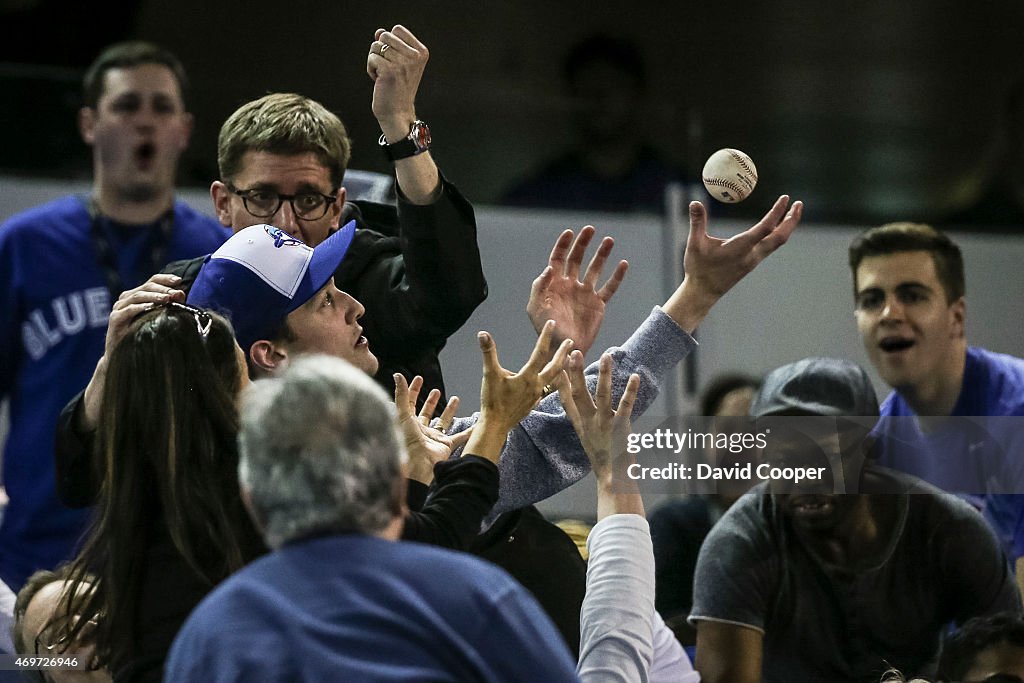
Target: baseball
(729, 176)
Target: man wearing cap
(813, 582)
(283, 303)
(282, 159)
(909, 287)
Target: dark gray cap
(816, 386)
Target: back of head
(319, 452)
(45, 613)
(895, 238)
(713, 398)
(285, 124)
(125, 56)
(961, 649)
(23, 644)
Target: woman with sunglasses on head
(169, 523)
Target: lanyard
(106, 259)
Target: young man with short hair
(62, 265)
(910, 307)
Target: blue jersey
(980, 458)
(54, 305)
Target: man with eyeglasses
(417, 270)
(62, 264)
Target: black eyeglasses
(309, 206)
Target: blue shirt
(54, 305)
(361, 608)
(983, 459)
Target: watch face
(421, 135)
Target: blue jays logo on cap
(256, 283)
(281, 238)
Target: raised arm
(543, 455)
(602, 431)
(466, 488)
(423, 283)
(617, 617)
(395, 64)
(712, 266)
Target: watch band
(416, 142)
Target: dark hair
(126, 55)
(166, 441)
(978, 634)
(720, 387)
(603, 48)
(284, 334)
(893, 238)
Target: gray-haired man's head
(319, 452)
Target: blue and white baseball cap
(261, 274)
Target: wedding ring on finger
(384, 48)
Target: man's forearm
(417, 176)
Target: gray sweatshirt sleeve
(543, 455)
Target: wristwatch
(416, 142)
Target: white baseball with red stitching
(729, 176)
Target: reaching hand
(158, 290)
(507, 397)
(719, 264)
(576, 306)
(713, 266)
(426, 445)
(395, 63)
(602, 429)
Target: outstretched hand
(604, 431)
(426, 445)
(577, 306)
(507, 397)
(713, 266)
